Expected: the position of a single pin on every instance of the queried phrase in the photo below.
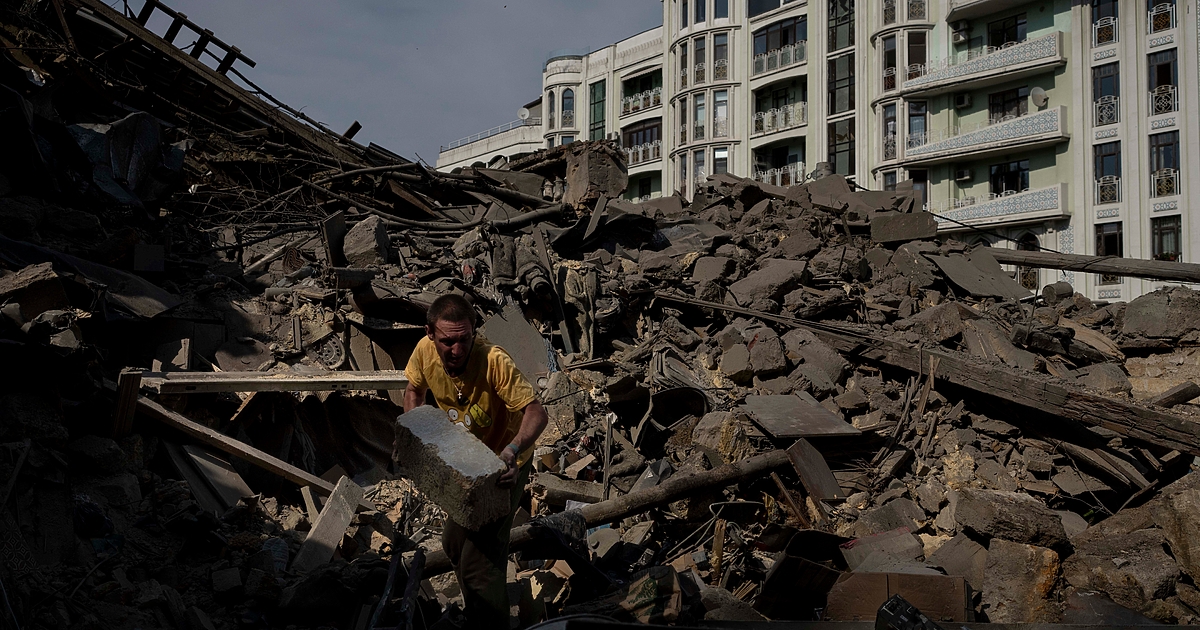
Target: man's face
(453, 341)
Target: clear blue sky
(417, 75)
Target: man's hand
(509, 457)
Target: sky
(417, 75)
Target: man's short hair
(450, 308)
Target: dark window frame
(1107, 159)
(1014, 28)
(1106, 80)
(1012, 102)
(779, 34)
(842, 146)
(596, 109)
(1011, 176)
(1160, 229)
(841, 24)
(1110, 242)
(841, 85)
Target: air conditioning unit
(962, 100)
(960, 37)
(961, 26)
(963, 175)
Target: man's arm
(533, 422)
(414, 397)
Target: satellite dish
(523, 113)
(1038, 96)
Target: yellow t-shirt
(496, 391)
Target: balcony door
(1164, 69)
(1010, 30)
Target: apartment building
(1054, 124)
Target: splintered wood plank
(795, 416)
(213, 382)
(330, 526)
(814, 472)
(220, 475)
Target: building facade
(1053, 124)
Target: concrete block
(367, 243)
(896, 227)
(774, 280)
(1019, 584)
(1008, 515)
(451, 466)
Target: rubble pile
(766, 403)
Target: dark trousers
(480, 560)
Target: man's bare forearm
(413, 397)
(533, 422)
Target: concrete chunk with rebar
(451, 466)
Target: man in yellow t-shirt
(479, 386)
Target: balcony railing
(528, 122)
(646, 152)
(984, 62)
(992, 134)
(721, 70)
(550, 121)
(1108, 110)
(699, 68)
(889, 12)
(568, 119)
(780, 118)
(701, 179)
(641, 100)
(1164, 99)
(781, 57)
(697, 131)
(645, 198)
(889, 146)
(917, 10)
(1039, 203)
(1104, 31)
(683, 133)
(1108, 190)
(789, 175)
(1161, 18)
(720, 127)
(1164, 182)
(889, 79)
(683, 77)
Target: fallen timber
(1127, 419)
(1109, 265)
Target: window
(644, 186)
(1165, 233)
(1103, 9)
(681, 112)
(1006, 31)
(1108, 243)
(596, 113)
(698, 118)
(1028, 276)
(683, 13)
(720, 160)
(568, 108)
(916, 54)
(698, 165)
(889, 62)
(1010, 177)
(917, 119)
(841, 24)
(646, 132)
(759, 7)
(1008, 104)
(720, 9)
(550, 143)
(550, 108)
(780, 34)
(721, 57)
(841, 146)
(920, 180)
(698, 48)
(889, 132)
(683, 185)
(700, 10)
(1108, 159)
(1164, 164)
(1106, 80)
(720, 114)
(889, 180)
(1163, 69)
(684, 68)
(841, 84)
(567, 140)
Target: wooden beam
(1177, 395)
(220, 475)
(238, 449)
(1111, 265)
(128, 384)
(329, 528)
(1032, 391)
(210, 382)
(200, 491)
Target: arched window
(550, 109)
(1028, 276)
(568, 105)
(981, 242)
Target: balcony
(698, 131)
(918, 11)
(1164, 183)
(1104, 32)
(1010, 207)
(889, 146)
(721, 70)
(1108, 190)
(988, 66)
(720, 127)
(993, 137)
(683, 133)
(641, 100)
(971, 9)
(780, 58)
(780, 118)
(699, 70)
(648, 152)
(889, 79)
(645, 198)
(1161, 18)
(550, 120)
(1107, 111)
(568, 119)
(1164, 99)
(683, 77)
(494, 131)
(789, 175)
(889, 12)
